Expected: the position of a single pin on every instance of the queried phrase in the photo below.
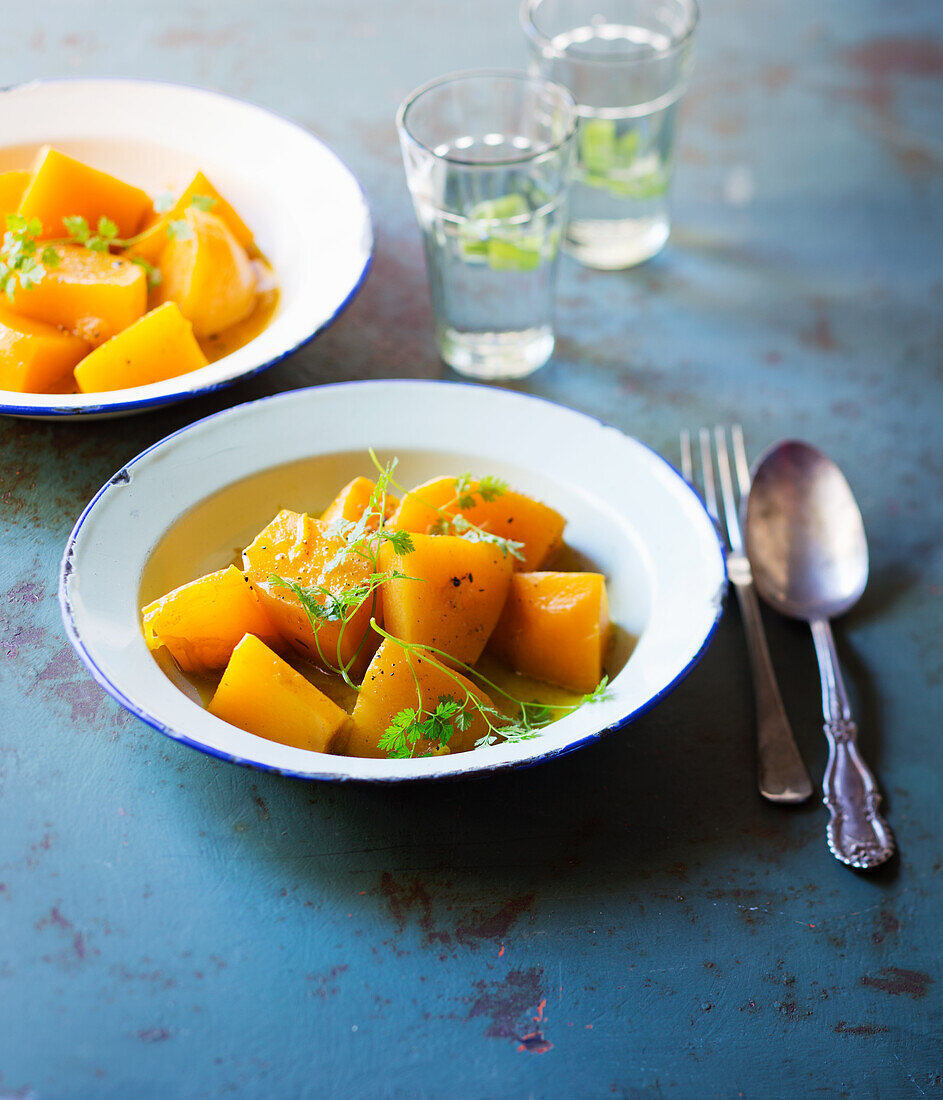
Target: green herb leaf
(164, 202)
(107, 228)
(490, 487)
(77, 227)
(506, 546)
(203, 202)
(463, 720)
(21, 257)
(411, 725)
(463, 491)
(178, 229)
(401, 734)
(536, 714)
(599, 694)
(401, 541)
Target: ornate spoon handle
(857, 833)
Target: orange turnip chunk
(297, 548)
(159, 346)
(555, 627)
(451, 596)
(510, 515)
(208, 274)
(34, 357)
(390, 686)
(353, 500)
(62, 187)
(152, 242)
(94, 294)
(263, 694)
(203, 621)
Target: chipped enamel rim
(615, 485)
(300, 199)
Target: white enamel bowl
(307, 210)
(183, 507)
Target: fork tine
(707, 466)
(726, 488)
(687, 468)
(740, 459)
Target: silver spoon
(806, 543)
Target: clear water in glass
(492, 269)
(619, 213)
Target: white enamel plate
(185, 506)
(307, 210)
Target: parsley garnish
(361, 538)
(489, 488)
(22, 262)
(412, 724)
(321, 605)
(24, 259)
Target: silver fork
(781, 774)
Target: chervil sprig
(24, 259)
(499, 727)
(489, 488)
(362, 539)
(22, 262)
(321, 605)
(411, 726)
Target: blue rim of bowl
(121, 476)
(143, 404)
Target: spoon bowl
(804, 533)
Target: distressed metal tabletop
(172, 926)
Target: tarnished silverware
(806, 543)
(781, 774)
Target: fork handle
(857, 834)
(781, 774)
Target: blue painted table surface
(173, 926)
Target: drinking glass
(488, 159)
(627, 63)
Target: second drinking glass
(488, 159)
(627, 63)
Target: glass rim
(566, 96)
(536, 35)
